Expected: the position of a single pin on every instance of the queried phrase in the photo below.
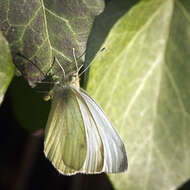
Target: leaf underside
(42, 29)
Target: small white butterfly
(79, 138)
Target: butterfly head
(72, 79)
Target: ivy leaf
(6, 67)
(142, 83)
(42, 29)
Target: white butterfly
(79, 138)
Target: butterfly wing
(65, 138)
(114, 156)
(79, 138)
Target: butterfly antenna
(60, 66)
(81, 55)
(78, 69)
(91, 62)
(19, 54)
(50, 67)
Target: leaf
(6, 67)
(142, 82)
(42, 29)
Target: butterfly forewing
(65, 137)
(95, 151)
(115, 159)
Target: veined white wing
(114, 154)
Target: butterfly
(79, 138)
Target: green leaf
(6, 67)
(42, 29)
(142, 82)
